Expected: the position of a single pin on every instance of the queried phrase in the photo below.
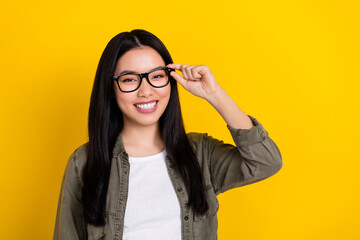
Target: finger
(184, 72)
(174, 65)
(187, 72)
(178, 78)
(182, 68)
(203, 69)
(195, 73)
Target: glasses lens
(129, 82)
(158, 78)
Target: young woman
(141, 176)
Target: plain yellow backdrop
(293, 65)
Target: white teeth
(146, 106)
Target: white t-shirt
(152, 208)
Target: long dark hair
(106, 122)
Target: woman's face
(145, 105)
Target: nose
(145, 89)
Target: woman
(141, 176)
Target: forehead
(140, 59)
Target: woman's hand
(197, 79)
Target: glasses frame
(146, 75)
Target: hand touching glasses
(197, 79)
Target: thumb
(178, 78)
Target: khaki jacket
(224, 166)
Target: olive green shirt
(224, 166)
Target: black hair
(105, 122)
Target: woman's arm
(230, 112)
(255, 156)
(199, 80)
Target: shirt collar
(119, 146)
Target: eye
(158, 76)
(128, 80)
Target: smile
(146, 107)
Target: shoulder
(200, 141)
(80, 155)
(196, 138)
(77, 162)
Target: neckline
(151, 157)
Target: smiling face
(144, 106)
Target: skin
(141, 132)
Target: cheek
(165, 92)
(122, 100)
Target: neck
(141, 141)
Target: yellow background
(293, 65)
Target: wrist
(216, 97)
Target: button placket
(182, 197)
(122, 197)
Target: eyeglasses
(157, 78)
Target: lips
(146, 107)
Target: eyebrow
(130, 71)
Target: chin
(145, 120)
(147, 123)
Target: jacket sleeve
(254, 158)
(69, 222)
